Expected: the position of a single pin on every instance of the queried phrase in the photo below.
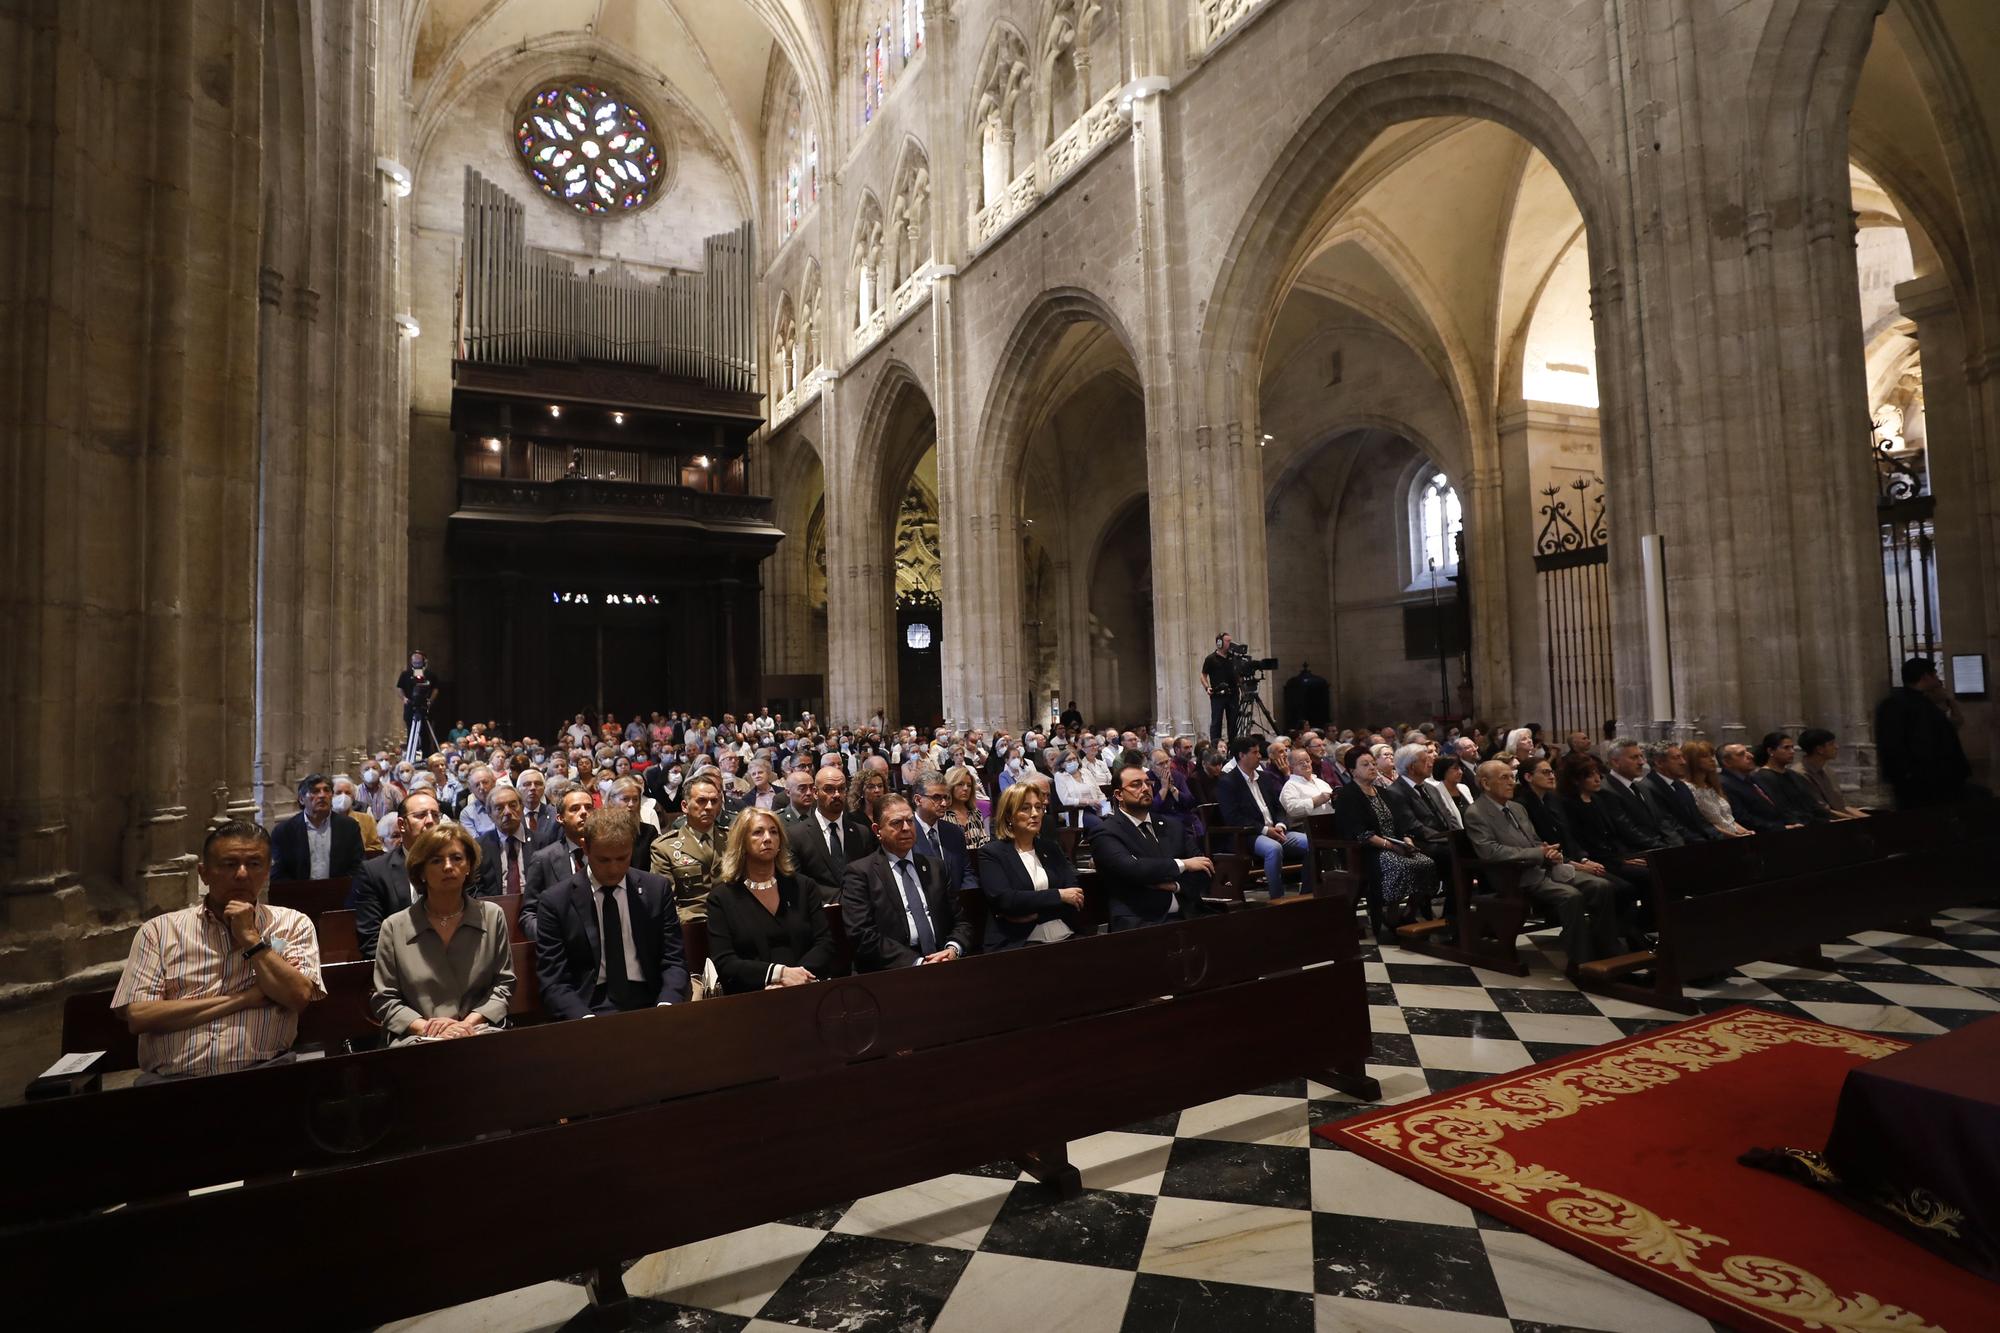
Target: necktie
(1146, 830)
(533, 815)
(913, 898)
(1443, 805)
(576, 857)
(618, 985)
(513, 866)
(1514, 818)
(928, 839)
(833, 845)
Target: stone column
(1962, 481)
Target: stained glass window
(588, 147)
(1438, 520)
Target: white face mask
(369, 775)
(342, 803)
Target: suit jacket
(1133, 869)
(1596, 834)
(744, 939)
(566, 944)
(1354, 818)
(1238, 807)
(791, 814)
(878, 923)
(1676, 803)
(382, 887)
(1919, 748)
(1009, 892)
(1549, 818)
(1426, 822)
(950, 835)
(491, 870)
(1498, 837)
(815, 861)
(291, 858)
(1793, 796)
(548, 831)
(548, 867)
(1751, 804)
(1633, 817)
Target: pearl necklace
(761, 885)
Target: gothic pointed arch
(998, 129)
(865, 260)
(909, 236)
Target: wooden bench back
(311, 896)
(345, 1108)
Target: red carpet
(1625, 1155)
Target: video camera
(1248, 667)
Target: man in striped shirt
(218, 986)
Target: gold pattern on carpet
(1462, 1140)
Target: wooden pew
(338, 942)
(1490, 909)
(89, 1025)
(666, 1104)
(1781, 895)
(311, 896)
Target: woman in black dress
(1401, 874)
(765, 929)
(1578, 780)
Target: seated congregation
(624, 868)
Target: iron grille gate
(1572, 569)
(1905, 510)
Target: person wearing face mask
(345, 795)
(374, 794)
(315, 843)
(1073, 791)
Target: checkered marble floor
(1231, 1215)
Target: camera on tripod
(1249, 680)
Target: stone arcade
(1633, 362)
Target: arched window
(1435, 522)
(889, 35)
(798, 164)
(913, 29)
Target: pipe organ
(519, 304)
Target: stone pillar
(1203, 465)
(1962, 481)
(1515, 553)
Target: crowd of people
(619, 836)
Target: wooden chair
(694, 945)
(89, 1025)
(338, 942)
(972, 907)
(1230, 848)
(311, 896)
(842, 953)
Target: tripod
(420, 727)
(1251, 707)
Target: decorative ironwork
(1905, 514)
(1572, 567)
(573, 495)
(1566, 529)
(1900, 471)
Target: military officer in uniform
(688, 856)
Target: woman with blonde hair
(1704, 779)
(1030, 888)
(444, 966)
(961, 787)
(765, 928)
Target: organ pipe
(520, 303)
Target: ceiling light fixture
(554, 410)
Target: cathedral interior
(957, 361)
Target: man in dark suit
(507, 848)
(899, 906)
(608, 940)
(1149, 875)
(1667, 790)
(561, 859)
(1418, 806)
(315, 843)
(1751, 804)
(538, 813)
(940, 838)
(1639, 823)
(382, 886)
(1246, 801)
(1916, 738)
(824, 845)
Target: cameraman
(1218, 677)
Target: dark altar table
(1916, 1144)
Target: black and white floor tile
(1231, 1215)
